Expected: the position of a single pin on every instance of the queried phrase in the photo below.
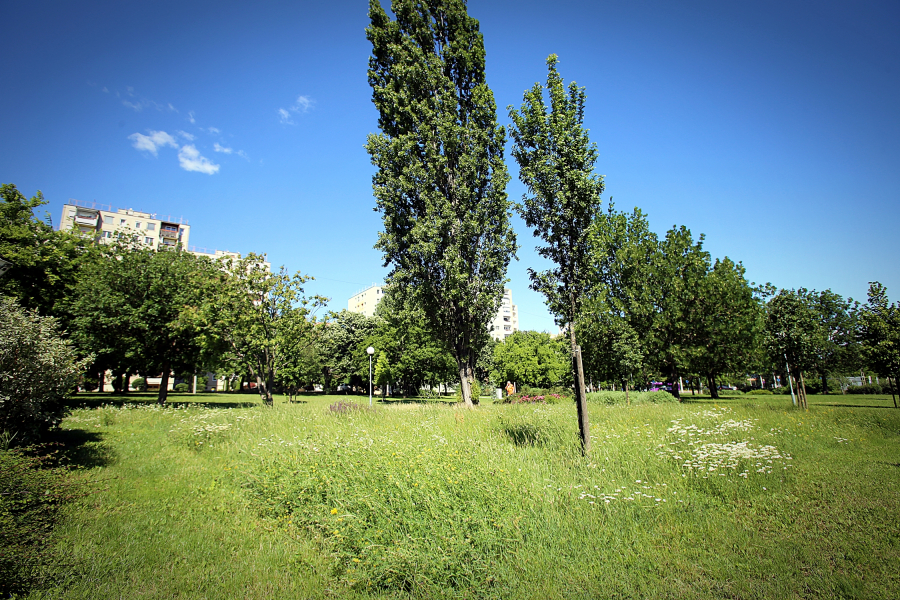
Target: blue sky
(772, 127)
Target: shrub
(139, 384)
(429, 394)
(759, 392)
(616, 397)
(536, 397)
(476, 392)
(182, 387)
(869, 388)
(38, 369)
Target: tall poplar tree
(441, 179)
(556, 163)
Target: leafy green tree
(618, 314)
(132, 307)
(676, 280)
(441, 179)
(531, 358)
(344, 347)
(727, 328)
(414, 354)
(556, 164)
(880, 334)
(43, 262)
(791, 334)
(38, 370)
(838, 349)
(264, 320)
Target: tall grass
(698, 500)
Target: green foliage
(139, 384)
(440, 180)
(31, 494)
(759, 392)
(133, 309)
(476, 391)
(556, 164)
(402, 340)
(38, 370)
(531, 358)
(344, 347)
(614, 397)
(43, 263)
(182, 387)
(880, 332)
(262, 322)
(869, 388)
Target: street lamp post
(370, 351)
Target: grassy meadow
(216, 496)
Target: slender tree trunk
(824, 383)
(893, 397)
(580, 397)
(803, 391)
(164, 385)
(627, 398)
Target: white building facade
(506, 322)
(102, 222)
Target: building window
(106, 234)
(137, 225)
(107, 219)
(122, 222)
(151, 226)
(507, 328)
(148, 241)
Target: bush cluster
(616, 397)
(139, 384)
(759, 392)
(38, 369)
(869, 388)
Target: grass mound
(415, 510)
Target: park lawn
(222, 497)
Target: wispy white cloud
(302, 105)
(243, 154)
(105, 90)
(151, 143)
(285, 116)
(184, 134)
(191, 117)
(213, 130)
(191, 160)
(219, 148)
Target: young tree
(880, 334)
(440, 181)
(837, 349)
(264, 319)
(792, 333)
(556, 164)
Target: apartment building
(103, 221)
(507, 319)
(364, 302)
(502, 326)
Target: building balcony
(86, 220)
(168, 233)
